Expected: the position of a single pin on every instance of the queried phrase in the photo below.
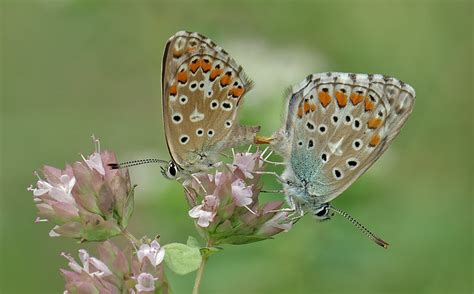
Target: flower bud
(87, 200)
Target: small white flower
(43, 188)
(146, 282)
(95, 162)
(53, 233)
(153, 252)
(101, 269)
(242, 194)
(62, 191)
(206, 211)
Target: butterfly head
(171, 171)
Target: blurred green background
(70, 69)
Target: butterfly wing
(202, 90)
(339, 124)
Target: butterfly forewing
(340, 124)
(203, 88)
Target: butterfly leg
(277, 176)
(200, 183)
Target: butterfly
(337, 125)
(202, 90)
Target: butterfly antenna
(135, 162)
(364, 230)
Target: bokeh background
(70, 69)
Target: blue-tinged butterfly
(337, 125)
(202, 90)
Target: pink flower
(85, 200)
(145, 282)
(247, 163)
(241, 193)
(90, 265)
(153, 252)
(206, 211)
(278, 223)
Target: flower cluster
(230, 212)
(117, 271)
(87, 200)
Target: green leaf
(193, 242)
(182, 259)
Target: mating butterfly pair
(337, 124)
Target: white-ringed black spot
(214, 104)
(380, 114)
(300, 143)
(228, 123)
(357, 124)
(352, 163)
(209, 94)
(183, 100)
(227, 106)
(199, 132)
(310, 144)
(184, 139)
(337, 173)
(193, 86)
(310, 126)
(177, 118)
(335, 119)
(210, 133)
(348, 118)
(357, 144)
(324, 157)
(322, 129)
(201, 85)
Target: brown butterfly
(202, 91)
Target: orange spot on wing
(236, 92)
(374, 141)
(182, 77)
(369, 105)
(306, 107)
(225, 80)
(374, 123)
(300, 112)
(356, 98)
(206, 66)
(215, 73)
(173, 90)
(324, 98)
(312, 106)
(194, 66)
(341, 99)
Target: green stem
(200, 272)
(130, 238)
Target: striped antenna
(364, 230)
(136, 162)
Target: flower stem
(200, 272)
(130, 238)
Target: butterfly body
(202, 90)
(337, 125)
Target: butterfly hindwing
(339, 124)
(202, 88)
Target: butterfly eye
(322, 212)
(171, 171)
